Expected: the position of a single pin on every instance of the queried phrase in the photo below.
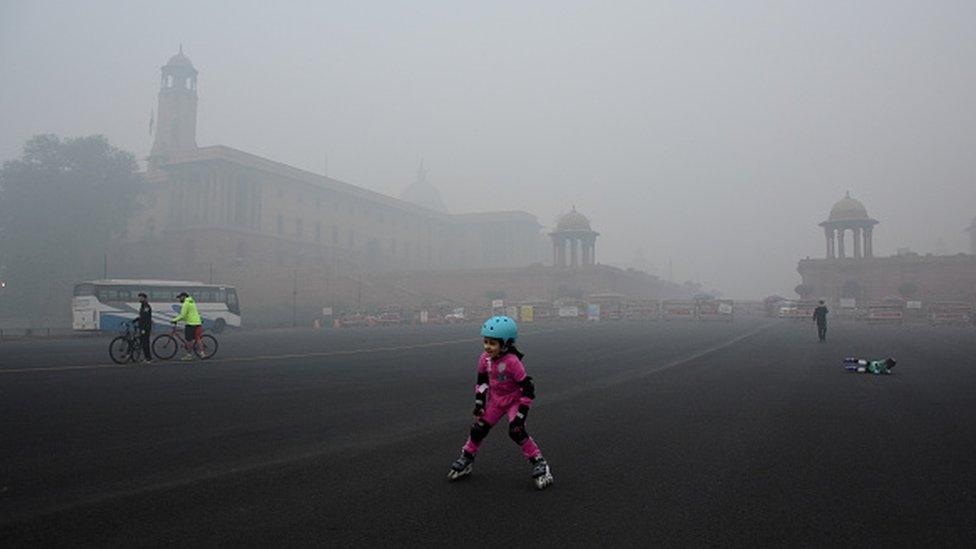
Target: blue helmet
(500, 327)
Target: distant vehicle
(352, 320)
(390, 318)
(106, 304)
(455, 317)
(788, 309)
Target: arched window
(169, 81)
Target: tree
(804, 290)
(60, 205)
(908, 289)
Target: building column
(573, 257)
(840, 243)
(868, 242)
(857, 242)
(829, 235)
(555, 252)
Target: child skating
(502, 389)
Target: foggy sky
(716, 134)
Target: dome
(573, 221)
(848, 209)
(179, 60)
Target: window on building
(280, 224)
(352, 238)
(335, 235)
(318, 232)
(299, 228)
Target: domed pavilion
(573, 228)
(849, 214)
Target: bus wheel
(219, 325)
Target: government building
(850, 270)
(292, 240)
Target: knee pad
(518, 433)
(479, 431)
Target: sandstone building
(857, 274)
(294, 242)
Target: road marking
(287, 356)
(269, 358)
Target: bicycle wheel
(119, 350)
(209, 347)
(135, 350)
(165, 346)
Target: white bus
(106, 304)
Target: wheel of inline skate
(165, 346)
(543, 482)
(207, 347)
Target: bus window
(114, 294)
(232, 304)
(162, 295)
(84, 289)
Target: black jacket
(820, 315)
(145, 316)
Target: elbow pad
(528, 388)
(481, 390)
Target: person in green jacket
(865, 366)
(194, 327)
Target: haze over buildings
(712, 136)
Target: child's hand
(479, 411)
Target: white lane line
(267, 358)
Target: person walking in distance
(820, 317)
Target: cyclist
(144, 322)
(194, 327)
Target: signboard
(424, 317)
(326, 311)
(512, 311)
(593, 312)
(848, 303)
(527, 313)
(725, 308)
(568, 312)
(913, 304)
(497, 303)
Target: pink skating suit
(509, 392)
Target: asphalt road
(658, 433)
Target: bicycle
(165, 346)
(126, 346)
